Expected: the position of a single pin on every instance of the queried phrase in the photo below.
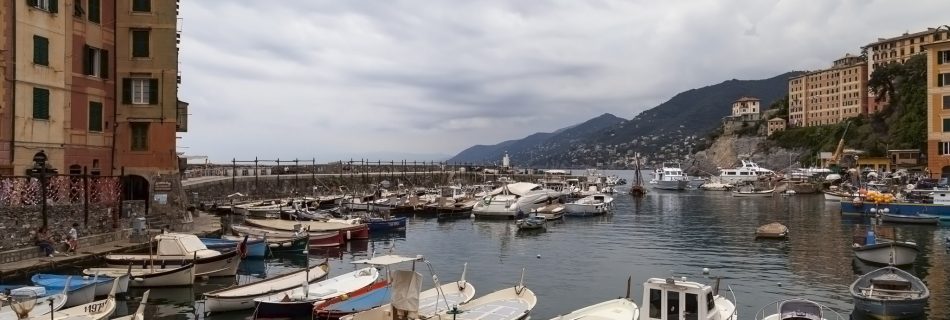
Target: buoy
(779, 284)
(539, 256)
(705, 270)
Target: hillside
(669, 131)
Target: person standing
(73, 238)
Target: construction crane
(836, 157)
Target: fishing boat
(357, 231)
(890, 293)
(78, 291)
(637, 189)
(669, 177)
(617, 309)
(139, 312)
(513, 303)
(154, 276)
(431, 302)
(279, 238)
(177, 249)
(95, 310)
(672, 298)
(372, 296)
(44, 303)
(242, 296)
(594, 205)
(505, 202)
(530, 223)
(299, 301)
(836, 195)
(103, 283)
(386, 224)
(869, 246)
(752, 192)
(909, 218)
(938, 206)
(255, 247)
(772, 230)
(797, 309)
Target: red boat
(368, 297)
(326, 239)
(357, 232)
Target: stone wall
(18, 225)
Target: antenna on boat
(629, 284)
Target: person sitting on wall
(45, 242)
(72, 239)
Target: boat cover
(406, 285)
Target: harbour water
(581, 261)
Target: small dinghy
(513, 303)
(42, 305)
(242, 297)
(869, 247)
(797, 309)
(140, 312)
(753, 193)
(299, 301)
(78, 290)
(772, 230)
(531, 223)
(96, 310)
(255, 247)
(431, 302)
(909, 218)
(890, 293)
(155, 276)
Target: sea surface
(582, 261)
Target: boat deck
(507, 309)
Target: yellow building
(828, 96)
(40, 109)
(6, 94)
(938, 103)
(776, 125)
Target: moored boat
(870, 247)
(909, 218)
(103, 283)
(386, 224)
(615, 309)
(772, 230)
(669, 177)
(753, 193)
(532, 222)
(175, 249)
(242, 297)
(593, 205)
(155, 276)
(513, 303)
(431, 301)
(255, 247)
(45, 303)
(797, 309)
(748, 171)
(505, 202)
(299, 301)
(95, 310)
(348, 231)
(140, 311)
(889, 293)
(672, 294)
(78, 291)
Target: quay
(24, 262)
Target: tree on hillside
(883, 81)
(782, 106)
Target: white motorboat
(176, 249)
(431, 302)
(594, 205)
(44, 303)
(669, 177)
(299, 301)
(792, 309)
(513, 303)
(505, 202)
(616, 309)
(151, 277)
(747, 172)
(96, 310)
(140, 312)
(242, 297)
(680, 299)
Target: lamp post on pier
(39, 171)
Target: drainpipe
(13, 89)
(118, 83)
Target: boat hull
(384, 225)
(223, 301)
(585, 210)
(910, 219)
(256, 247)
(941, 211)
(889, 309)
(896, 253)
(222, 265)
(753, 194)
(674, 185)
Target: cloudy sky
(404, 78)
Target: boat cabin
(671, 299)
(186, 245)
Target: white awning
(387, 260)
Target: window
(946, 102)
(710, 302)
(40, 50)
(139, 136)
(691, 310)
(95, 62)
(95, 116)
(94, 11)
(656, 301)
(141, 5)
(946, 125)
(943, 57)
(140, 43)
(48, 5)
(943, 148)
(673, 305)
(139, 91)
(943, 79)
(40, 103)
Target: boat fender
(139, 279)
(348, 235)
(344, 297)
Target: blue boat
(373, 296)
(79, 291)
(256, 247)
(382, 225)
(898, 208)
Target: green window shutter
(140, 43)
(40, 50)
(94, 11)
(104, 63)
(32, 3)
(95, 116)
(141, 5)
(40, 103)
(53, 6)
(126, 91)
(152, 91)
(87, 57)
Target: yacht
(748, 172)
(506, 201)
(669, 177)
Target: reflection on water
(582, 261)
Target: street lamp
(39, 168)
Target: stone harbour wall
(18, 225)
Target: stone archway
(135, 187)
(945, 172)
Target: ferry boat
(747, 172)
(669, 177)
